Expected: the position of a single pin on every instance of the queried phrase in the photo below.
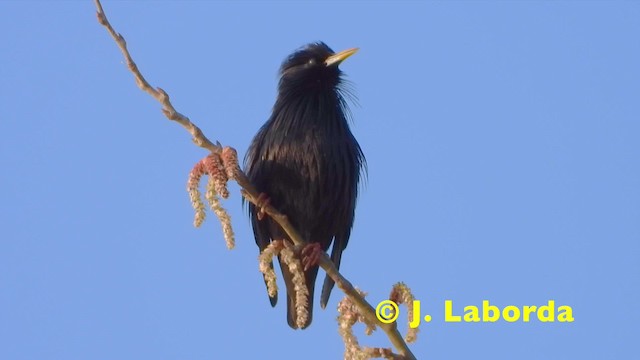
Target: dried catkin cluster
(219, 167)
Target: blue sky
(501, 138)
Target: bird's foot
(311, 254)
(262, 201)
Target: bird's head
(313, 66)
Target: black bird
(308, 163)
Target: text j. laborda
(387, 312)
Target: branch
(250, 192)
(163, 98)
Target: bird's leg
(262, 201)
(311, 254)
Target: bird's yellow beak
(337, 58)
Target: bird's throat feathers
(307, 109)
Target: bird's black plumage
(307, 161)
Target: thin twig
(163, 98)
(250, 192)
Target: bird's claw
(262, 201)
(311, 254)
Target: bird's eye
(311, 61)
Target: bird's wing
(261, 228)
(336, 254)
(351, 180)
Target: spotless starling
(307, 164)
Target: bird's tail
(310, 280)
